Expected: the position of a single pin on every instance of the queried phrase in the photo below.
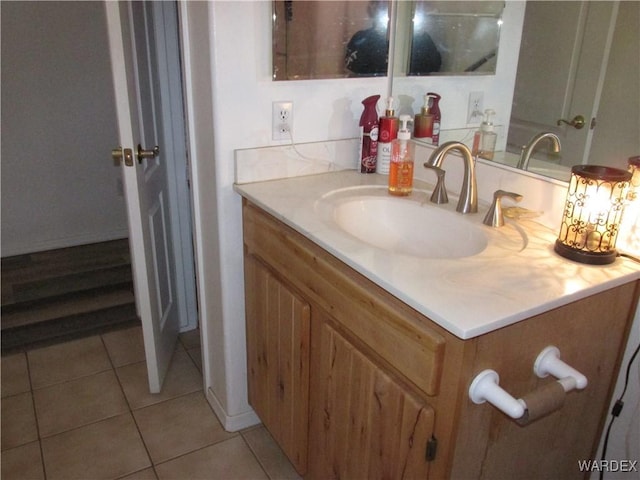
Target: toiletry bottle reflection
(402, 159)
(435, 111)
(484, 140)
(427, 123)
(423, 123)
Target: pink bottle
(369, 135)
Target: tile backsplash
(294, 160)
(270, 163)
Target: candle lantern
(592, 214)
(630, 230)
(634, 169)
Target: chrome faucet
(527, 150)
(494, 216)
(468, 202)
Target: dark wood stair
(58, 295)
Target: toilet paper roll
(542, 401)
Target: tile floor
(82, 410)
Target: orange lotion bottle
(402, 158)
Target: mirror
(573, 94)
(555, 81)
(608, 28)
(339, 39)
(447, 38)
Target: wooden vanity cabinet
(352, 383)
(363, 423)
(278, 328)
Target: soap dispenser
(423, 122)
(484, 140)
(387, 133)
(402, 159)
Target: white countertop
(467, 296)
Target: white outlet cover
(475, 108)
(281, 120)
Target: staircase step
(64, 261)
(75, 303)
(67, 284)
(58, 295)
(68, 328)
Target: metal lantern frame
(593, 210)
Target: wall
(242, 94)
(59, 184)
(228, 45)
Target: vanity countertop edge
(467, 296)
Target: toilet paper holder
(485, 386)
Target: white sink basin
(400, 225)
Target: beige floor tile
(66, 361)
(146, 474)
(22, 463)
(125, 346)
(175, 427)
(269, 454)
(183, 377)
(190, 339)
(15, 375)
(18, 421)
(111, 448)
(79, 402)
(196, 356)
(231, 459)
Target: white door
(146, 181)
(563, 58)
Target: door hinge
(432, 447)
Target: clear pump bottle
(484, 140)
(402, 160)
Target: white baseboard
(232, 423)
(33, 245)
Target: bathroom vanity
(360, 360)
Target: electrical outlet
(474, 110)
(282, 120)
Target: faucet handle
(494, 217)
(439, 194)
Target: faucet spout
(527, 150)
(468, 201)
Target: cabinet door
(278, 359)
(363, 423)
